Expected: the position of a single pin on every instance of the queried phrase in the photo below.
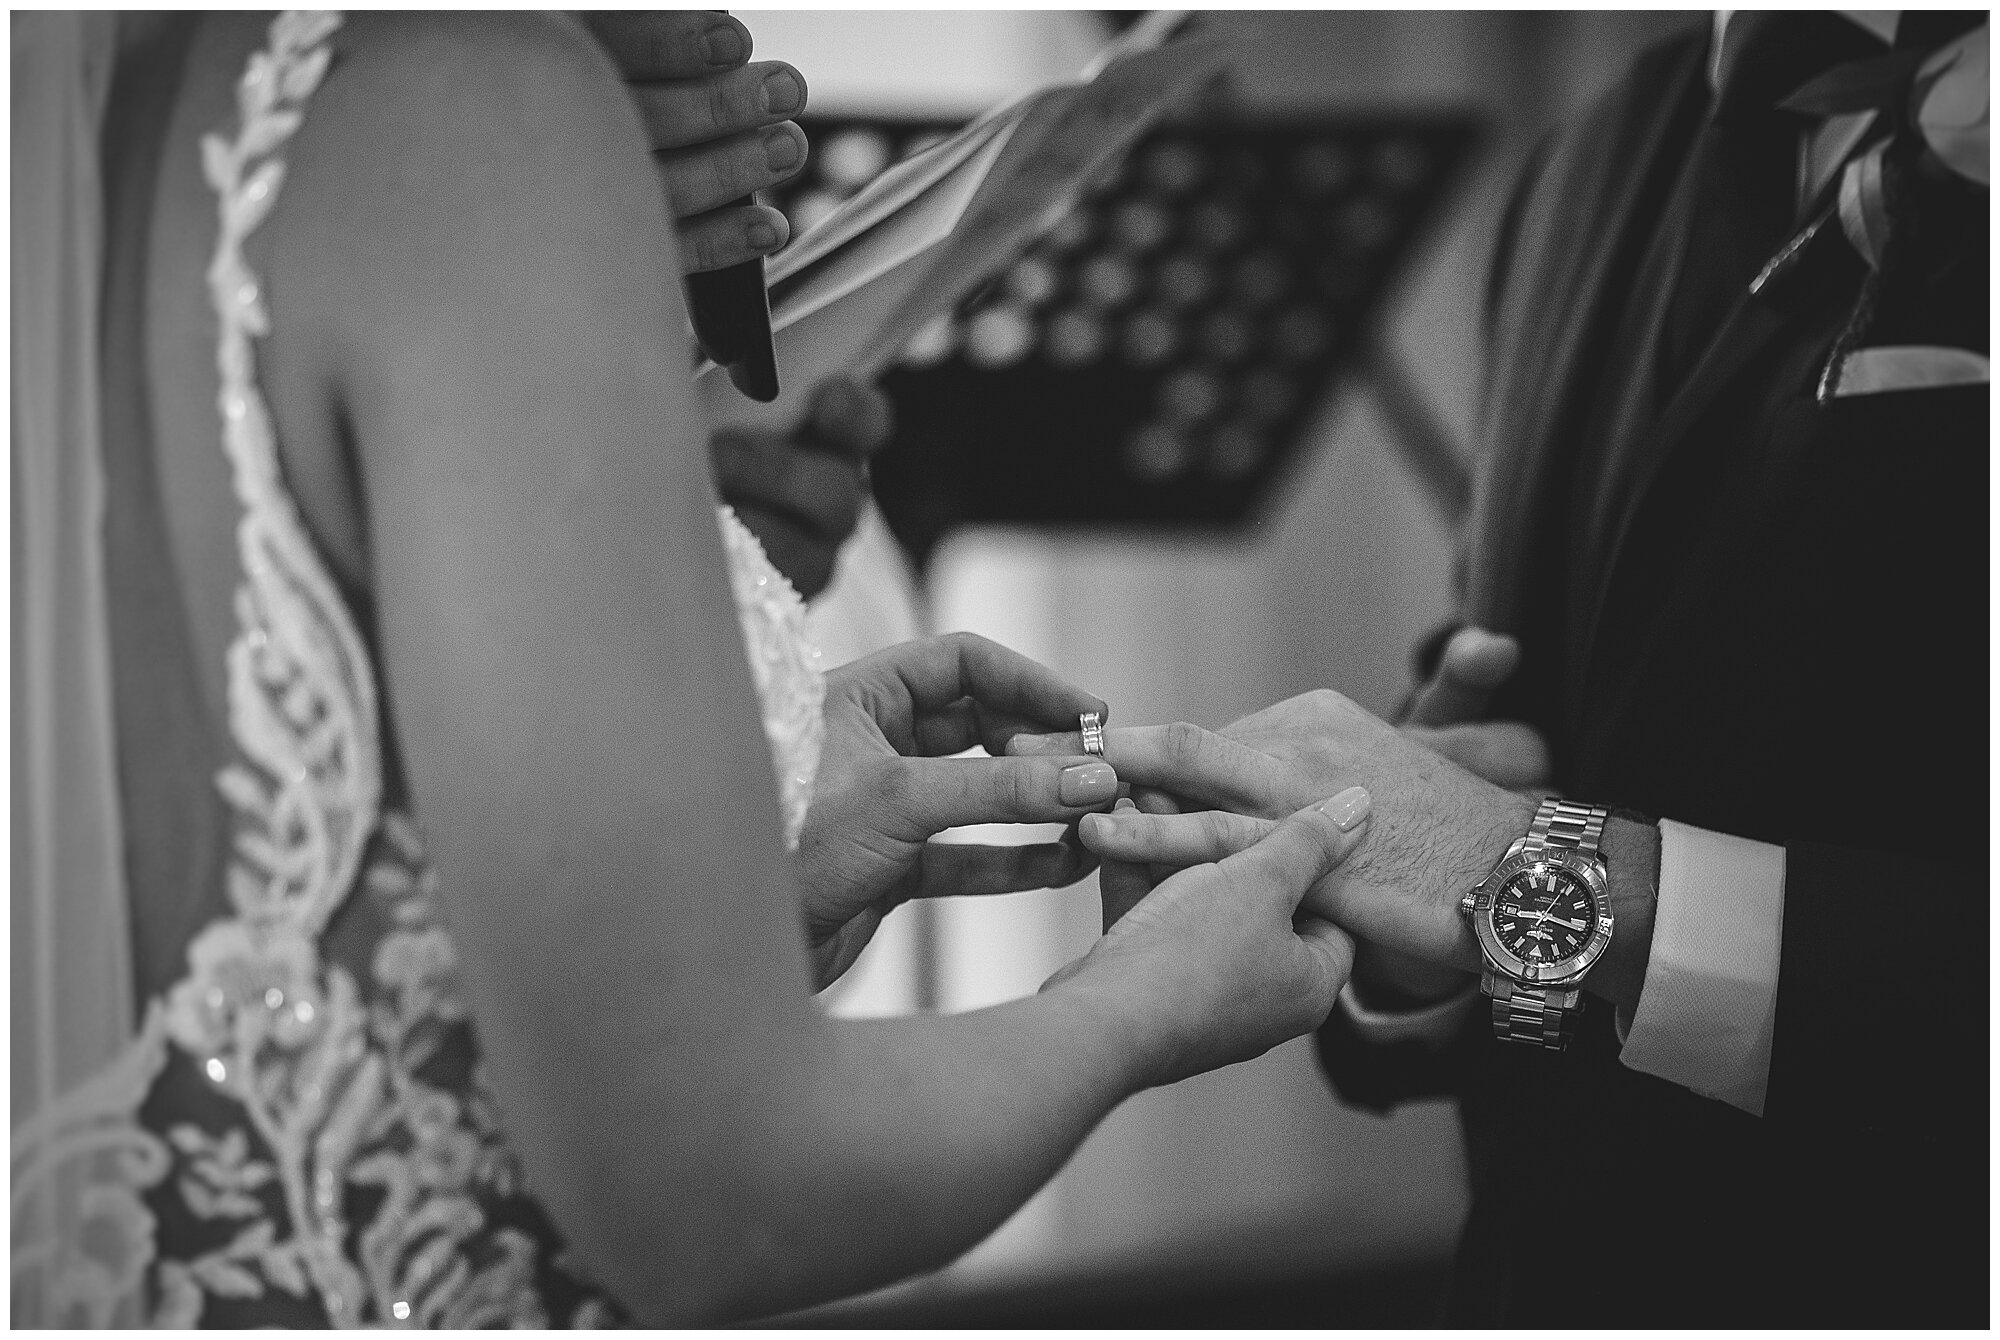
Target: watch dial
(1544, 915)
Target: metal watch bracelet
(1565, 823)
(1542, 1015)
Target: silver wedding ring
(1092, 726)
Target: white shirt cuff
(1710, 1001)
(1433, 1025)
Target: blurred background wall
(1254, 1177)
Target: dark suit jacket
(1783, 637)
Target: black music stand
(1152, 358)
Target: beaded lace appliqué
(322, 1073)
(791, 685)
(361, 1170)
(301, 698)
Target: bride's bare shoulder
(451, 166)
(446, 65)
(437, 131)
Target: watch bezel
(1589, 871)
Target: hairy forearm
(900, 1145)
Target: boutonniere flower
(1951, 101)
(1930, 112)
(1928, 115)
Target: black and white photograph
(968, 668)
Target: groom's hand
(720, 126)
(1436, 829)
(1448, 713)
(886, 785)
(1473, 666)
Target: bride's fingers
(950, 729)
(963, 869)
(1171, 839)
(1333, 946)
(919, 797)
(941, 671)
(1197, 764)
(959, 726)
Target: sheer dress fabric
(299, 1133)
(70, 969)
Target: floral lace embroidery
(82, 1235)
(329, 1073)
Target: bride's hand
(1220, 963)
(884, 787)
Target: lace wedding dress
(299, 1133)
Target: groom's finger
(1193, 763)
(925, 796)
(964, 869)
(1171, 839)
(1474, 664)
(962, 725)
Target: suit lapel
(1576, 241)
(1748, 329)
(1760, 314)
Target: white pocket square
(1909, 367)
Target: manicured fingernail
(782, 92)
(760, 236)
(1347, 809)
(1087, 784)
(1098, 827)
(781, 151)
(1124, 805)
(723, 45)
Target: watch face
(1544, 915)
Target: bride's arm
(504, 337)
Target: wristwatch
(1543, 917)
